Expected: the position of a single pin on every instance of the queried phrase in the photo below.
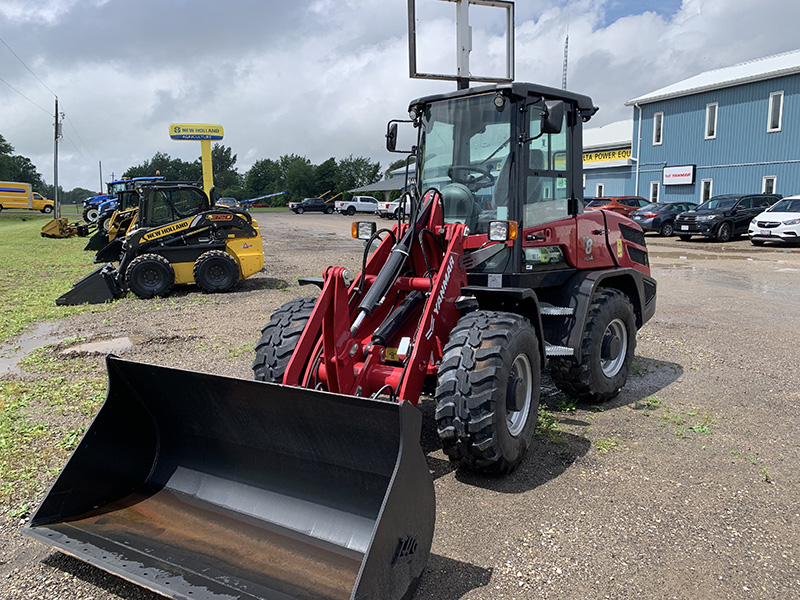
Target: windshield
(718, 203)
(119, 186)
(791, 205)
(464, 150)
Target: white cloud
(321, 78)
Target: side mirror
(553, 116)
(391, 137)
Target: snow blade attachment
(97, 287)
(206, 487)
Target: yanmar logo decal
(158, 233)
(440, 298)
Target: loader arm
(381, 334)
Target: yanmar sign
(679, 175)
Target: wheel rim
(150, 279)
(217, 273)
(520, 380)
(667, 229)
(614, 348)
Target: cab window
(545, 177)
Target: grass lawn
(35, 271)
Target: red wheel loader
(311, 483)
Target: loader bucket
(97, 287)
(98, 241)
(205, 487)
(58, 228)
(110, 252)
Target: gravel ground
(684, 486)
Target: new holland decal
(179, 226)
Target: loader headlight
(363, 230)
(501, 231)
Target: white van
(20, 195)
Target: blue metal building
(731, 130)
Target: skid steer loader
(177, 238)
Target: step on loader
(177, 237)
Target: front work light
(363, 230)
(501, 231)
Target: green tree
(397, 164)
(264, 177)
(173, 169)
(14, 167)
(223, 163)
(298, 173)
(355, 172)
(325, 175)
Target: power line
(26, 98)
(27, 67)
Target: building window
(775, 111)
(768, 184)
(600, 189)
(658, 128)
(706, 190)
(654, 187)
(711, 121)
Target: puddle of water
(12, 352)
(114, 346)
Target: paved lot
(684, 486)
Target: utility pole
(55, 163)
(100, 164)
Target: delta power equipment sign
(195, 131)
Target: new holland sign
(195, 131)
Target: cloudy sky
(321, 78)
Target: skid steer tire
(487, 397)
(150, 275)
(215, 271)
(279, 338)
(607, 351)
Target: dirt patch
(684, 486)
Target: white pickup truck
(388, 210)
(366, 204)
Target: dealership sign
(679, 175)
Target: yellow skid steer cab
(177, 238)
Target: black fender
(579, 290)
(521, 301)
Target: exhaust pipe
(203, 487)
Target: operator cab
(501, 152)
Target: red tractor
(497, 275)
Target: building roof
(759, 69)
(384, 185)
(613, 135)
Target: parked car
(623, 205)
(779, 223)
(660, 216)
(723, 217)
(309, 204)
(388, 210)
(356, 204)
